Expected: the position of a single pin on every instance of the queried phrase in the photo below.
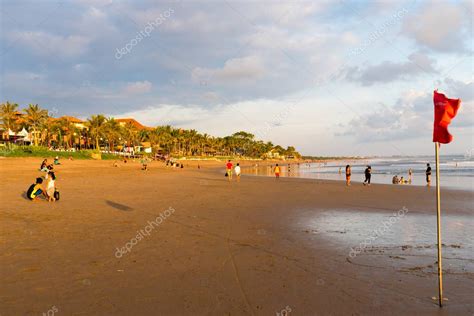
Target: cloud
(441, 26)
(138, 87)
(51, 45)
(388, 71)
(245, 69)
(411, 116)
(459, 89)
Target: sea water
(457, 171)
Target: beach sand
(247, 248)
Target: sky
(352, 78)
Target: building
(125, 121)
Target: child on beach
(56, 160)
(51, 187)
(395, 179)
(428, 174)
(35, 190)
(277, 171)
(348, 175)
(229, 166)
(237, 172)
(44, 166)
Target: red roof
(132, 121)
(71, 119)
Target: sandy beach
(258, 247)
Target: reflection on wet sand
(406, 243)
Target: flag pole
(438, 208)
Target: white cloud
(388, 71)
(245, 69)
(51, 45)
(138, 87)
(440, 26)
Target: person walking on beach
(428, 174)
(238, 171)
(410, 173)
(277, 171)
(229, 166)
(348, 175)
(368, 175)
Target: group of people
(395, 179)
(230, 170)
(174, 164)
(45, 185)
(401, 180)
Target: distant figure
(340, 170)
(348, 175)
(402, 181)
(428, 174)
(368, 175)
(289, 168)
(277, 171)
(395, 180)
(237, 172)
(199, 166)
(182, 166)
(144, 163)
(56, 160)
(35, 190)
(229, 166)
(410, 173)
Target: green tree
(36, 118)
(96, 125)
(8, 116)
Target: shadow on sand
(118, 206)
(23, 195)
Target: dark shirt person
(368, 175)
(428, 174)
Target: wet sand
(256, 247)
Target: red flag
(444, 111)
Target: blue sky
(330, 77)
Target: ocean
(456, 171)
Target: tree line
(107, 133)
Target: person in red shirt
(229, 166)
(277, 171)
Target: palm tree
(96, 124)
(113, 132)
(68, 131)
(35, 118)
(8, 115)
(130, 133)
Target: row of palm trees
(100, 132)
